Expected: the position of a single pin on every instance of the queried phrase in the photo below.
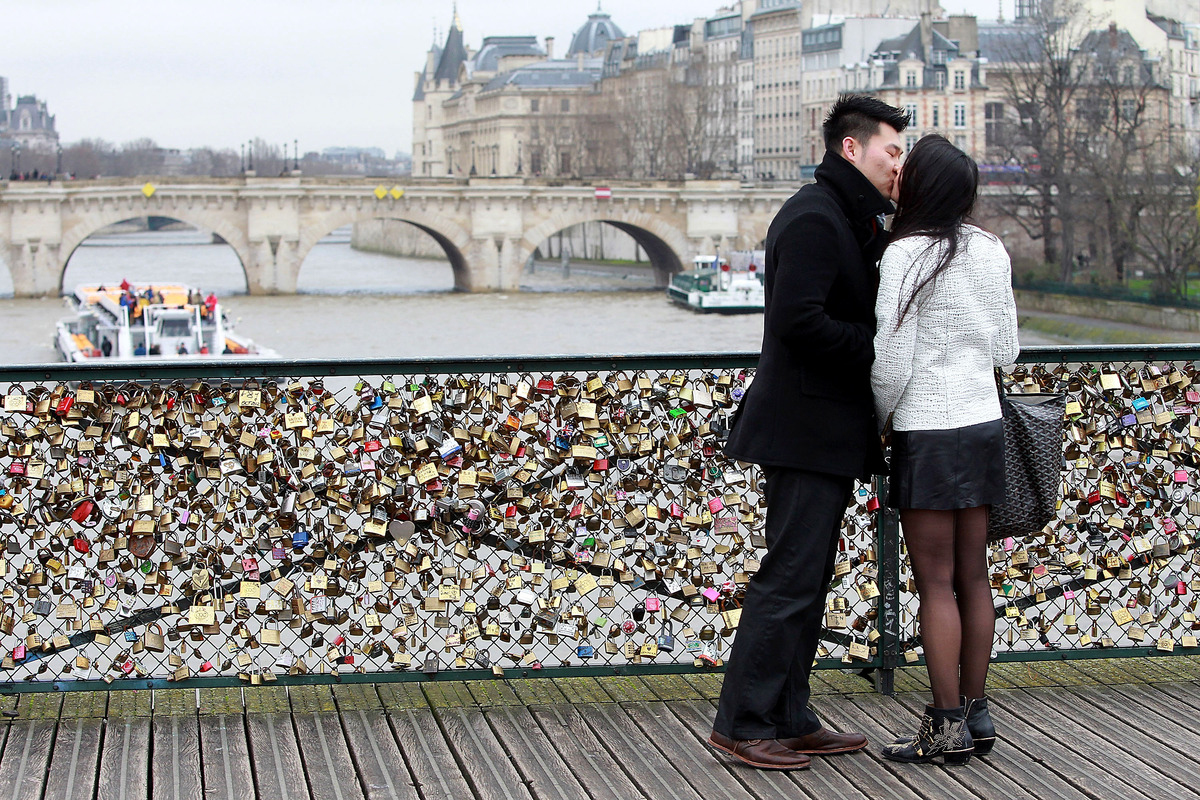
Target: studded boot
(979, 724)
(943, 732)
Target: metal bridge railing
(319, 521)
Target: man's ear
(850, 148)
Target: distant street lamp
(473, 172)
(12, 161)
(495, 157)
(17, 148)
(58, 167)
(296, 154)
(285, 159)
(243, 156)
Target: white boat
(155, 322)
(714, 285)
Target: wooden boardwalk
(1087, 729)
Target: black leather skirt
(948, 469)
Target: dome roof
(597, 32)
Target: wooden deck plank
(130, 703)
(493, 693)
(430, 757)
(626, 688)
(356, 697)
(537, 758)
(266, 699)
(72, 773)
(670, 687)
(275, 756)
(84, 704)
(175, 768)
(221, 700)
(695, 761)
(225, 757)
(168, 702)
(316, 698)
(376, 755)
(583, 690)
(592, 765)
(401, 695)
(840, 715)
(1167, 765)
(1186, 695)
(653, 774)
(1013, 762)
(26, 756)
(124, 767)
(708, 684)
(816, 783)
(326, 755)
(481, 757)
(43, 705)
(1155, 731)
(1058, 735)
(536, 691)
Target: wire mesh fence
(318, 521)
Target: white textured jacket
(934, 371)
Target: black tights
(948, 553)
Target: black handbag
(1033, 464)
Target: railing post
(887, 547)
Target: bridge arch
(95, 220)
(452, 238)
(665, 245)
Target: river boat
(161, 324)
(715, 286)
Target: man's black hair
(858, 116)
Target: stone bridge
(487, 227)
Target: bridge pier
(35, 268)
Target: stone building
(935, 73)
(26, 123)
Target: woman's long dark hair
(938, 186)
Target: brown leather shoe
(824, 742)
(760, 753)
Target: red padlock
(81, 545)
(83, 512)
(873, 504)
(64, 405)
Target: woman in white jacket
(946, 317)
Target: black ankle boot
(943, 732)
(979, 724)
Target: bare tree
(139, 157)
(1040, 72)
(1167, 233)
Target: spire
(457, 21)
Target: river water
(364, 305)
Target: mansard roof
(595, 34)
(496, 47)
(557, 74)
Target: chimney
(549, 47)
(926, 37)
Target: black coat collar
(857, 196)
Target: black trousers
(765, 693)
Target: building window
(564, 162)
(910, 79)
(1128, 109)
(939, 79)
(960, 79)
(935, 115)
(535, 160)
(960, 115)
(566, 104)
(910, 142)
(939, 57)
(993, 115)
(961, 143)
(911, 110)
(535, 105)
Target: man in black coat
(808, 420)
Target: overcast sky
(190, 73)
